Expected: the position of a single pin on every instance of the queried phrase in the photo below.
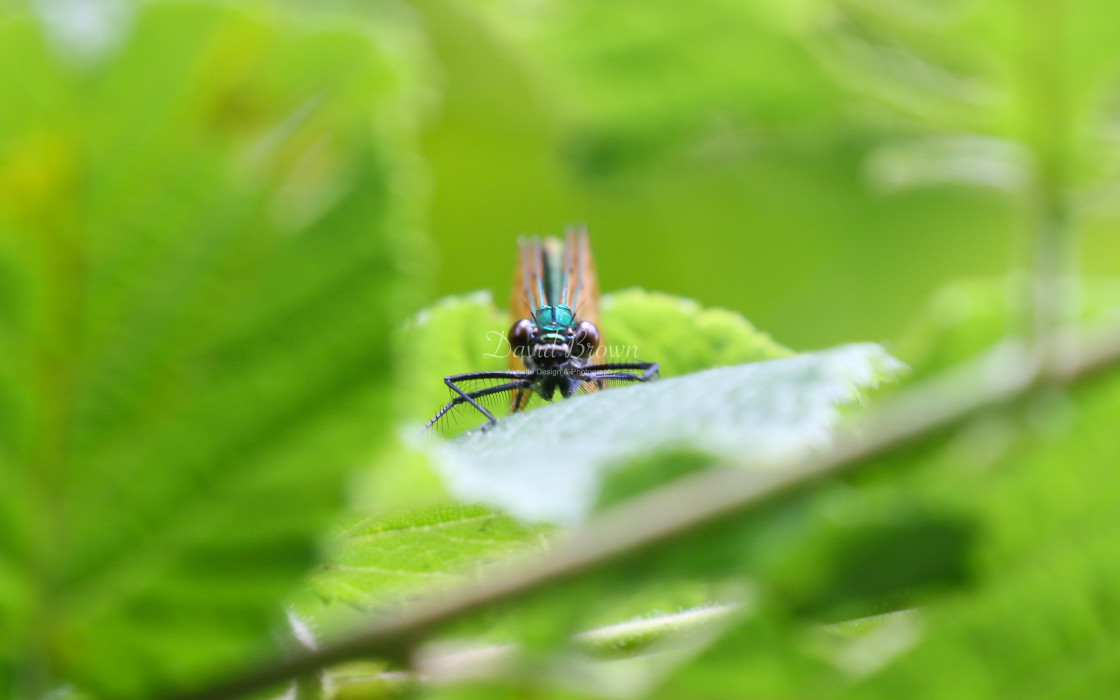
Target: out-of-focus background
(713, 151)
(821, 167)
(229, 232)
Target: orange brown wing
(583, 284)
(581, 288)
(525, 280)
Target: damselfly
(555, 342)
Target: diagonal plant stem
(1007, 373)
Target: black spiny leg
(520, 381)
(602, 377)
(600, 372)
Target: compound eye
(586, 339)
(521, 337)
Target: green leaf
(457, 334)
(548, 464)
(375, 563)
(1047, 584)
(199, 269)
(679, 334)
(467, 333)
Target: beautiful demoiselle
(555, 342)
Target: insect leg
(602, 377)
(519, 378)
(649, 369)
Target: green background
(785, 230)
(228, 236)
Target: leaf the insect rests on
(548, 464)
(681, 335)
(467, 333)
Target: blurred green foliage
(710, 154)
(224, 228)
(193, 231)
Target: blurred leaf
(641, 475)
(454, 334)
(856, 569)
(1042, 75)
(899, 164)
(199, 268)
(1040, 616)
(401, 478)
(755, 659)
(970, 316)
(637, 77)
(547, 464)
(374, 564)
(1044, 617)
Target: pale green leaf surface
(547, 464)
(199, 269)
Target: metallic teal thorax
(555, 318)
